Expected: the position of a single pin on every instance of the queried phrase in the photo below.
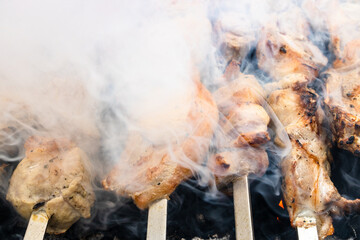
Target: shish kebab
(242, 132)
(238, 141)
(161, 168)
(51, 186)
(159, 165)
(342, 98)
(294, 62)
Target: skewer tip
(156, 228)
(307, 230)
(242, 208)
(37, 225)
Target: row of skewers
(52, 185)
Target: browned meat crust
(230, 164)
(54, 175)
(348, 56)
(291, 55)
(345, 128)
(344, 33)
(160, 170)
(242, 130)
(342, 100)
(307, 188)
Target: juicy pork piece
(308, 190)
(242, 130)
(280, 54)
(147, 172)
(342, 98)
(343, 24)
(342, 105)
(54, 176)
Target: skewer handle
(242, 208)
(308, 231)
(156, 228)
(37, 226)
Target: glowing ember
(281, 204)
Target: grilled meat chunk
(342, 104)
(54, 175)
(156, 170)
(343, 24)
(280, 54)
(242, 130)
(229, 164)
(308, 190)
(307, 187)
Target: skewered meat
(54, 176)
(242, 130)
(159, 169)
(343, 26)
(308, 190)
(342, 102)
(292, 54)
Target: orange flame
(281, 204)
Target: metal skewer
(156, 228)
(242, 208)
(308, 229)
(37, 225)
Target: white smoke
(93, 71)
